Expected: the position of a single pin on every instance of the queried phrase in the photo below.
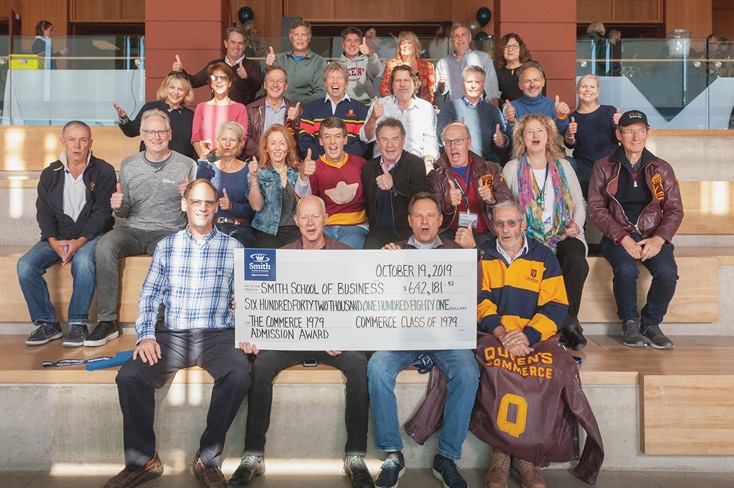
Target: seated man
(310, 218)
(459, 365)
(192, 275)
(468, 185)
(148, 197)
(336, 104)
(488, 128)
(73, 211)
(417, 116)
(271, 109)
(634, 200)
(389, 182)
(336, 177)
(304, 67)
(363, 65)
(248, 75)
(523, 301)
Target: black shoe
(357, 471)
(46, 331)
(446, 471)
(76, 336)
(250, 467)
(631, 335)
(105, 331)
(391, 471)
(573, 336)
(656, 338)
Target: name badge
(547, 218)
(466, 217)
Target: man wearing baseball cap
(635, 202)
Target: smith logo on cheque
(260, 264)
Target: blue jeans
(664, 273)
(351, 235)
(463, 373)
(31, 268)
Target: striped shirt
(193, 280)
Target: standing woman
(408, 52)
(545, 185)
(509, 54)
(271, 183)
(220, 109)
(229, 176)
(172, 97)
(592, 130)
(43, 44)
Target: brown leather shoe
(498, 474)
(128, 479)
(209, 477)
(529, 474)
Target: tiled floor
(412, 479)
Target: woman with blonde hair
(172, 97)
(408, 52)
(229, 176)
(271, 186)
(546, 187)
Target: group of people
(289, 170)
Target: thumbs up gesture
(224, 202)
(572, 128)
(561, 108)
(378, 109)
(364, 48)
(617, 115)
(116, 198)
(308, 167)
(454, 194)
(270, 58)
(485, 193)
(499, 138)
(241, 71)
(384, 181)
(465, 237)
(294, 112)
(509, 112)
(177, 65)
(183, 185)
(253, 167)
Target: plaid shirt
(195, 282)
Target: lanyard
(540, 199)
(464, 194)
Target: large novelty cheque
(365, 300)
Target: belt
(229, 220)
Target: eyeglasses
(219, 77)
(454, 142)
(509, 223)
(205, 203)
(512, 47)
(631, 132)
(153, 133)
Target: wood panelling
(267, 15)
(590, 10)
(723, 18)
(637, 10)
(695, 16)
(422, 11)
(310, 10)
(132, 10)
(95, 10)
(375, 9)
(55, 11)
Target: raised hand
(206, 148)
(561, 107)
(509, 112)
(485, 193)
(182, 186)
(384, 181)
(465, 237)
(120, 112)
(177, 65)
(572, 128)
(253, 167)
(294, 112)
(270, 58)
(308, 167)
(241, 71)
(116, 198)
(617, 115)
(499, 137)
(364, 48)
(454, 194)
(378, 109)
(225, 203)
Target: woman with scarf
(546, 186)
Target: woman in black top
(174, 93)
(509, 54)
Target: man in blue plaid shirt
(192, 275)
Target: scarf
(527, 197)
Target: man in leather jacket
(634, 200)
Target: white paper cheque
(356, 300)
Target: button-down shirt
(452, 67)
(193, 279)
(522, 250)
(274, 115)
(419, 120)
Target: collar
(523, 249)
(308, 54)
(335, 165)
(469, 104)
(239, 60)
(412, 102)
(412, 241)
(205, 239)
(65, 162)
(282, 104)
(327, 98)
(390, 166)
(456, 58)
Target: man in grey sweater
(148, 197)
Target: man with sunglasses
(148, 198)
(192, 275)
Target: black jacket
(244, 89)
(96, 216)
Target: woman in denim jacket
(271, 189)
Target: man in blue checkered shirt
(192, 275)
